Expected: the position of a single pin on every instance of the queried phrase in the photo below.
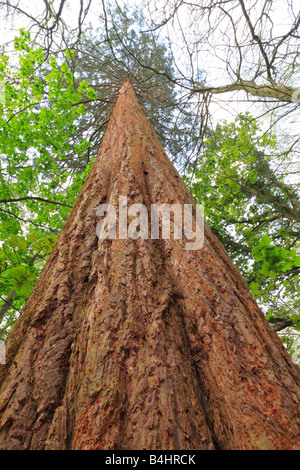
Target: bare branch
(33, 198)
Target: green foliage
(253, 211)
(37, 121)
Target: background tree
(37, 189)
(250, 51)
(257, 45)
(254, 212)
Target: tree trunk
(143, 344)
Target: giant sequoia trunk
(143, 344)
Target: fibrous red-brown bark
(141, 344)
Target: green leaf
(31, 237)
(91, 94)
